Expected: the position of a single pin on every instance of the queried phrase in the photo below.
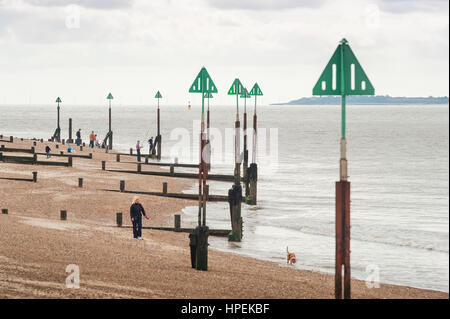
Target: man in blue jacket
(136, 213)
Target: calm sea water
(398, 166)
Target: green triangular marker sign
(236, 88)
(207, 95)
(109, 97)
(343, 75)
(203, 83)
(245, 94)
(256, 90)
(158, 95)
(58, 100)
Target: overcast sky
(81, 50)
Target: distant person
(136, 213)
(91, 139)
(96, 141)
(138, 150)
(150, 146)
(79, 137)
(47, 151)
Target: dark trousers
(138, 154)
(91, 144)
(78, 141)
(137, 227)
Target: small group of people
(139, 147)
(93, 140)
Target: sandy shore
(36, 246)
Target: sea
(398, 161)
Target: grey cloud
(406, 6)
(96, 4)
(264, 4)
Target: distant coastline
(366, 100)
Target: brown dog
(291, 259)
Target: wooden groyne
(32, 160)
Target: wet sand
(36, 247)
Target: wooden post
(63, 215)
(90, 155)
(34, 143)
(70, 132)
(33, 150)
(62, 152)
(172, 169)
(34, 158)
(177, 222)
(235, 200)
(4, 211)
(164, 187)
(119, 219)
(122, 186)
(202, 248)
(34, 177)
(63, 141)
(131, 151)
(342, 239)
(57, 146)
(139, 167)
(69, 161)
(11, 139)
(80, 182)
(146, 159)
(252, 177)
(81, 147)
(118, 158)
(103, 165)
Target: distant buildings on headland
(367, 100)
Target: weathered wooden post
(177, 223)
(119, 219)
(61, 152)
(80, 182)
(235, 193)
(131, 151)
(199, 238)
(122, 186)
(34, 177)
(146, 159)
(158, 135)
(118, 158)
(81, 147)
(34, 143)
(34, 158)
(110, 133)
(56, 146)
(139, 168)
(69, 161)
(33, 150)
(343, 76)
(172, 169)
(90, 155)
(103, 165)
(164, 187)
(252, 172)
(63, 141)
(70, 140)
(5, 211)
(63, 215)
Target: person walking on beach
(150, 146)
(136, 213)
(79, 137)
(138, 150)
(91, 139)
(47, 151)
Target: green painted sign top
(256, 90)
(236, 88)
(109, 97)
(343, 75)
(158, 95)
(207, 95)
(58, 100)
(203, 83)
(245, 94)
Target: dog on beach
(291, 259)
